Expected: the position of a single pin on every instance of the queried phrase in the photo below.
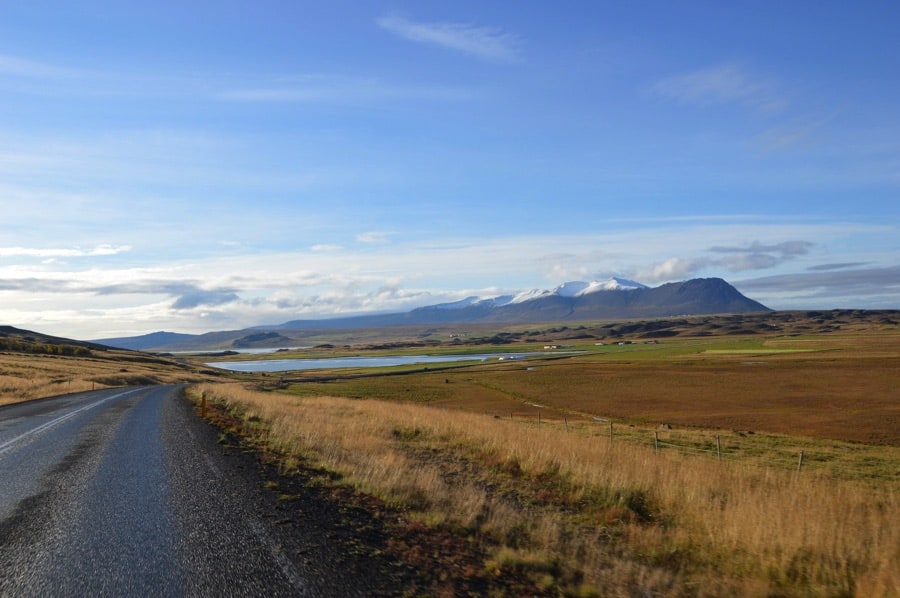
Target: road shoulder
(336, 546)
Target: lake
(284, 365)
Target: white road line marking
(46, 425)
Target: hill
(26, 341)
(151, 340)
(35, 365)
(572, 301)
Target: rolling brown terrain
(817, 374)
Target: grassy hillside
(33, 365)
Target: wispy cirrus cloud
(20, 67)
(487, 43)
(723, 84)
(839, 266)
(799, 133)
(37, 78)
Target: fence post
(610, 432)
(656, 442)
(202, 403)
(566, 421)
(800, 462)
(539, 419)
(718, 448)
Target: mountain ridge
(597, 300)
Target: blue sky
(213, 165)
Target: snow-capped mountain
(567, 289)
(474, 300)
(530, 295)
(579, 289)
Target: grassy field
(26, 376)
(578, 514)
(664, 469)
(838, 388)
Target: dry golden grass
(25, 376)
(583, 515)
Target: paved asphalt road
(109, 493)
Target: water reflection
(284, 365)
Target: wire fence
(718, 446)
(723, 454)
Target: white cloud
(578, 265)
(847, 281)
(760, 256)
(98, 250)
(488, 43)
(785, 249)
(374, 237)
(228, 291)
(859, 288)
(325, 248)
(673, 268)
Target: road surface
(110, 493)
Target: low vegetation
(37, 348)
(31, 375)
(749, 456)
(578, 514)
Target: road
(111, 493)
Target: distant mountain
(148, 341)
(567, 289)
(613, 298)
(581, 301)
(617, 298)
